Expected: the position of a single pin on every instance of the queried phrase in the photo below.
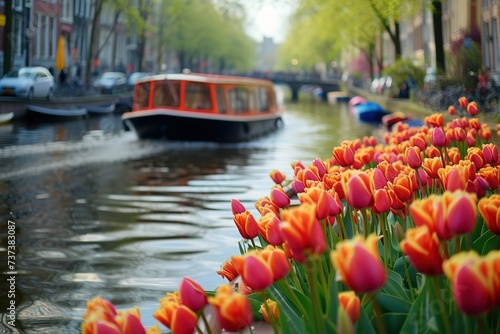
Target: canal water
(98, 212)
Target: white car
(27, 82)
(111, 82)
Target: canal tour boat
(203, 107)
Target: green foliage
(404, 68)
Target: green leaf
(255, 302)
(391, 303)
(410, 272)
(394, 286)
(492, 243)
(415, 321)
(393, 321)
(364, 324)
(291, 321)
(478, 244)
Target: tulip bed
(394, 237)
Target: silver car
(27, 82)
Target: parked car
(111, 82)
(430, 78)
(28, 82)
(132, 79)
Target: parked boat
(99, 110)
(203, 107)
(394, 118)
(354, 101)
(369, 112)
(6, 118)
(37, 113)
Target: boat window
(262, 99)
(141, 99)
(198, 96)
(239, 99)
(221, 102)
(166, 94)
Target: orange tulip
(129, 321)
(270, 229)
(463, 102)
(184, 320)
(277, 176)
(422, 247)
(269, 311)
(192, 294)
(475, 155)
(492, 176)
(489, 208)
(451, 110)
(472, 280)
(246, 224)
(382, 201)
(228, 271)
(449, 214)
(233, 309)
(454, 178)
(472, 108)
(431, 166)
(432, 152)
(403, 187)
(277, 261)
(168, 305)
(434, 120)
(350, 303)
(302, 231)
(343, 155)
(359, 191)
(358, 264)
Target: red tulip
(350, 303)
(489, 208)
(233, 309)
(277, 176)
(184, 320)
(246, 224)
(359, 191)
(192, 294)
(237, 207)
(358, 263)
(472, 108)
(279, 197)
(254, 270)
(472, 280)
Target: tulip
(302, 231)
(403, 187)
(382, 201)
(463, 102)
(254, 270)
(228, 271)
(343, 155)
(434, 120)
(129, 321)
(489, 208)
(439, 138)
(472, 282)
(490, 154)
(246, 224)
(269, 310)
(359, 191)
(470, 140)
(237, 207)
(277, 261)
(277, 176)
(413, 157)
(320, 166)
(431, 166)
(233, 309)
(451, 110)
(358, 264)
(422, 247)
(492, 175)
(279, 197)
(184, 320)
(168, 304)
(192, 294)
(472, 108)
(270, 229)
(454, 178)
(349, 302)
(475, 155)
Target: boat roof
(205, 78)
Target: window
(198, 96)
(141, 99)
(239, 99)
(495, 43)
(262, 99)
(166, 94)
(221, 101)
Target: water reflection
(99, 212)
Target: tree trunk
(437, 13)
(93, 32)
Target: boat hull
(41, 114)
(370, 112)
(162, 125)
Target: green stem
(341, 225)
(253, 244)
(443, 316)
(377, 314)
(208, 329)
(364, 213)
(382, 227)
(311, 264)
(296, 300)
(456, 249)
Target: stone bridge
(296, 81)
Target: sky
(268, 18)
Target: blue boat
(369, 112)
